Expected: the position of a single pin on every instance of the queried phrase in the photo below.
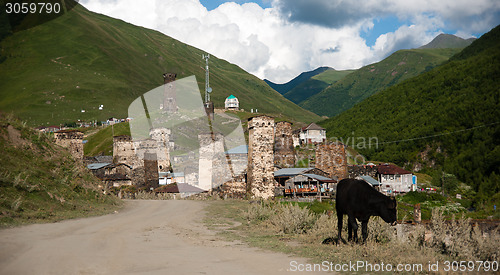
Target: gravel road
(146, 237)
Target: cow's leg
(354, 224)
(364, 229)
(349, 231)
(340, 217)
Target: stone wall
(260, 177)
(71, 139)
(362, 170)
(331, 158)
(284, 154)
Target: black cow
(359, 200)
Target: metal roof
(242, 149)
(290, 172)
(314, 126)
(180, 188)
(318, 177)
(99, 165)
(370, 180)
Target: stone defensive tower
(213, 170)
(169, 94)
(71, 139)
(124, 151)
(205, 163)
(162, 138)
(260, 175)
(284, 155)
(151, 176)
(331, 158)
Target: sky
(279, 39)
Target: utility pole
(209, 106)
(208, 90)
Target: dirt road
(146, 237)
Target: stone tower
(213, 170)
(260, 175)
(124, 151)
(151, 176)
(169, 94)
(71, 139)
(284, 155)
(162, 138)
(331, 158)
(205, 163)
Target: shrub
(258, 212)
(459, 240)
(292, 218)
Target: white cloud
(294, 36)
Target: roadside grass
(267, 225)
(40, 182)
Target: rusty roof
(391, 169)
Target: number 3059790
(471, 266)
(32, 8)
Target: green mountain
(448, 117)
(444, 41)
(81, 60)
(285, 87)
(368, 80)
(41, 182)
(315, 85)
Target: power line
(438, 135)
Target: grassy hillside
(101, 142)
(49, 73)
(444, 41)
(315, 85)
(363, 83)
(446, 118)
(41, 182)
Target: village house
(312, 133)
(232, 103)
(394, 179)
(113, 175)
(49, 129)
(303, 181)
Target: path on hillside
(146, 237)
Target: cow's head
(388, 211)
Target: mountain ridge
(370, 79)
(304, 76)
(443, 41)
(63, 70)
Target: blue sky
(279, 39)
(213, 4)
